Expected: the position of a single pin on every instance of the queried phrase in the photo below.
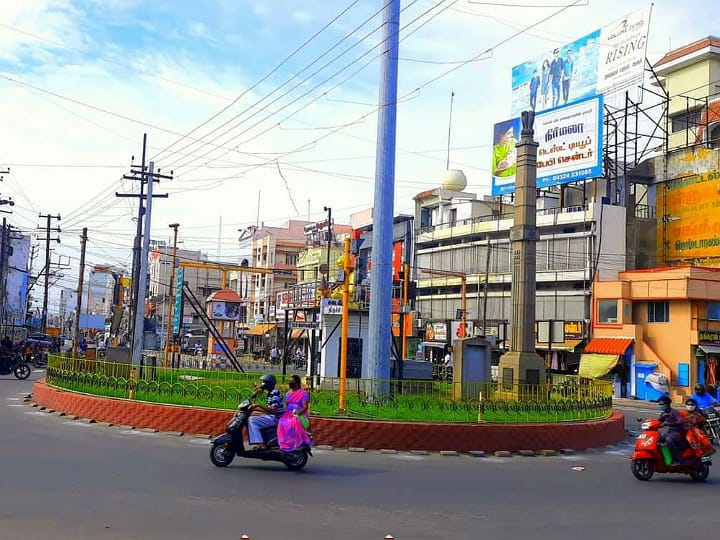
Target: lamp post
(174, 227)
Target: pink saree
(290, 430)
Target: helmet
(664, 400)
(268, 382)
(699, 389)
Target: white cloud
(302, 17)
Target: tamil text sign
(608, 61)
(569, 146)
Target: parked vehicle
(230, 444)
(712, 424)
(14, 364)
(652, 456)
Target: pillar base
(526, 376)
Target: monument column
(522, 365)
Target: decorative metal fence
(563, 398)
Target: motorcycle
(39, 360)
(230, 444)
(652, 456)
(14, 364)
(712, 424)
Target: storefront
(561, 351)
(708, 357)
(610, 358)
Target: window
(452, 217)
(685, 120)
(714, 136)
(425, 218)
(291, 259)
(713, 311)
(608, 311)
(658, 312)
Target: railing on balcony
(644, 211)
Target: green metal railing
(563, 398)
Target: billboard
(608, 61)
(570, 146)
(225, 311)
(688, 208)
(178, 305)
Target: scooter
(230, 444)
(652, 456)
(14, 364)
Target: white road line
(200, 441)
(409, 457)
(15, 405)
(617, 452)
(573, 458)
(136, 432)
(494, 460)
(82, 424)
(12, 399)
(37, 413)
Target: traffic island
(346, 433)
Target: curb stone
(388, 451)
(477, 453)
(567, 451)
(202, 436)
(87, 420)
(419, 452)
(148, 430)
(502, 453)
(174, 433)
(448, 453)
(526, 453)
(123, 426)
(104, 424)
(548, 453)
(325, 447)
(356, 449)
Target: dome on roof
(454, 180)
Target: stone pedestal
(521, 375)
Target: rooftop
(692, 51)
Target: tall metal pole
(47, 275)
(142, 271)
(344, 327)
(137, 244)
(171, 299)
(76, 328)
(378, 364)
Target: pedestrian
(568, 71)
(556, 72)
(274, 354)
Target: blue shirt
(534, 83)
(704, 401)
(275, 401)
(556, 69)
(568, 68)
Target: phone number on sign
(573, 174)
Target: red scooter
(652, 456)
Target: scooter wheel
(220, 456)
(296, 460)
(701, 474)
(22, 371)
(642, 469)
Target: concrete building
(663, 320)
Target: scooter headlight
(645, 426)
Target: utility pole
(76, 327)
(170, 298)
(379, 339)
(48, 229)
(137, 241)
(148, 177)
(347, 268)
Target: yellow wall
(690, 81)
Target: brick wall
(347, 433)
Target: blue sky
(165, 67)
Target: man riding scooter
(675, 436)
(272, 412)
(702, 398)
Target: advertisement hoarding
(608, 61)
(688, 208)
(178, 307)
(225, 311)
(570, 146)
(436, 331)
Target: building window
(658, 312)
(425, 218)
(685, 120)
(714, 136)
(713, 311)
(452, 217)
(608, 311)
(291, 259)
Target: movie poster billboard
(569, 146)
(225, 311)
(608, 61)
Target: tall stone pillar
(522, 365)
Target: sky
(264, 110)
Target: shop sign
(331, 306)
(709, 336)
(436, 331)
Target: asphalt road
(63, 480)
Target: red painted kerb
(342, 433)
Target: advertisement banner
(570, 146)
(436, 331)
(225, 311)
(688, 208)
(607, 61)
(177, 308)
(456, 330)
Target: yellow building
(663, 320)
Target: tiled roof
(608, 345)
(705, 43)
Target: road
(65, 479)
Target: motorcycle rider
(272, 412)
(675, 436)
(693, 417)
(703, 398)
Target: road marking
(15, 405)
(83, 424)
(573, 458)
(200, 441)
(409, 458)
(136, 432)
(37, 413)
(493, 459)
(12, 399)
(617, 452)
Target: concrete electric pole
(48, 229)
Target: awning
(618, 346)
(568, 345)
(594, 366)
(298, 333)
(709, 349)
(260, 329)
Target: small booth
(223, 310)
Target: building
(100, 291)
(662, 320)
(581, 236)
(687, 188)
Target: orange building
(662, 320)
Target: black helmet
(699, 389)
(268, 382)
(664, 400)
